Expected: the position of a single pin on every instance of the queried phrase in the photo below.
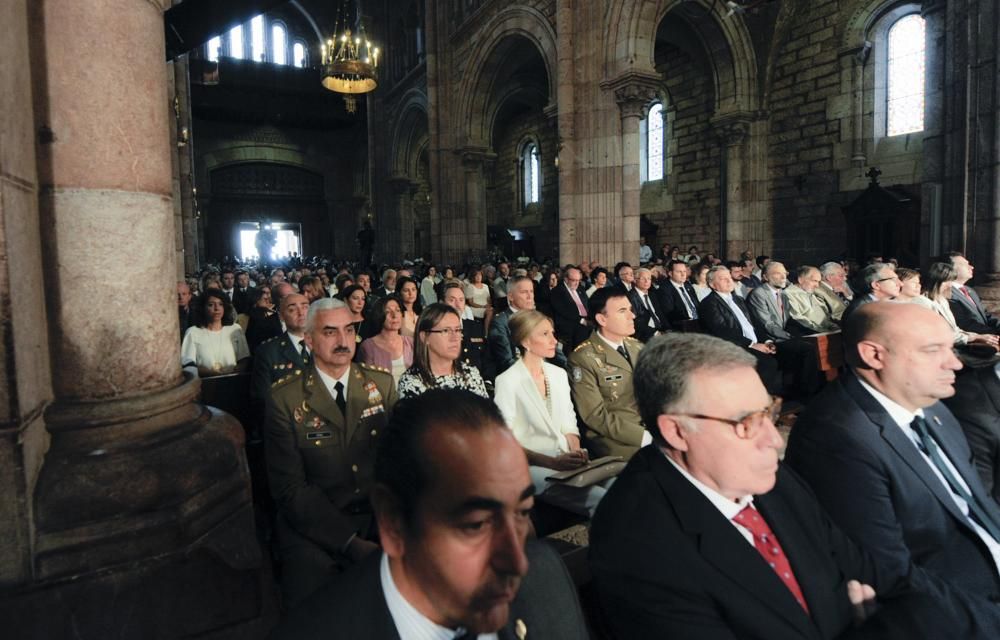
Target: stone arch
(411, 134)
(858, 29)
(632, 43)
(477, 84)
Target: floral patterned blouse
(466, 377)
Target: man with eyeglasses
(878, 282)
(704, 535)
(891, 465)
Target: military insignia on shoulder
(581, 345)
(577, 374)
(372, 367)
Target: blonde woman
(534, 397)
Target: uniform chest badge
(577, 374)
(374, 397)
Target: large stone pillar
(143, 497)
(400, 203)
(744, 222)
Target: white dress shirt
(410, 623)
(903, 417)
(330, 382)
(728, 508)
(745, 325)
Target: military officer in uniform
(284, 354)
(601, 378)
(321, 431)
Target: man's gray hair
(771, 266)
(714, 270)
(322, 304)
(871, 273)
(642, 270)
(663, 373)
(827, 268)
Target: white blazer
(525, 411)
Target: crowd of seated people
(681, 383)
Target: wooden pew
(829, 352)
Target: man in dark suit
(680, 301)
(725, 315)
(520, 297)
(265, 324)
(891, 466)
(320, 434)
(651, 319)
(976, 404)
(877, 281)
(967, 307)
(569, 308)
(452, 497)
(473, 330)
(242, 295)
(704, 536)
(278, 357)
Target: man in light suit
(891, 465)
(705, 536)
(767, 302)
(452, 497)
(320, 433)
(976, 405)
(805, 307)
(833, 290)
(967, 307)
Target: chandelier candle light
(350, 62)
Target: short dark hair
(761, 260)
(376, 317)
(620, 266)
(401, 464)
(598, 302)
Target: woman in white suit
(534, 397)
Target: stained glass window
(213, 48)
(299, 54)
(532, 168)
(236, 41)
(905, 104)
(278, 45)
(257, 39)
(654, 142)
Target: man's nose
(508, 556)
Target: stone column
(143, 498)
(633, 93)
(741, 225)
(401, 205)
(933, 240)
(464, 232)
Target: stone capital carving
(476, 157)
(634, 90)
(731, 129)
(401, 185)
(551, 111)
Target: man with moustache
(452, 499)
(320, 434)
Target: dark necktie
(770, 549)
(341, 402)
(649, 306)
(622, 350)
(976, 510)
(304, 351)
(691, 309)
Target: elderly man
(452, 498)
(569, 309)
(388, 283)
(601, 379)
(768, 304)
(878, 282)
(891, 466)
(521, 297)
(833, 290)
(651, 319)
(804, 306)
(320, 434)
(968, 309)
(727, 316)
(704, 535)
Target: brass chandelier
(350, 61)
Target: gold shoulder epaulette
(371, 367)
(288, 378)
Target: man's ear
(871, 354)
(600, 318)
(673, 432)
(390, 521)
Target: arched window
(236, 42)
(214, 47)
(279, 44)
(531, 174)
(653, 149)
(257, 50)
(299, 55)
(905, 95)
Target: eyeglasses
(451, 332)
(750, 425)
(896, 278)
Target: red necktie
(769, 548)
(965, 292)
(582, 310)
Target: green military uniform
(601, 379)
(320, 466)
(274, 359)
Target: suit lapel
(969, 302)
(722, 545)
(357, 400)
(945, 429)
(902, 445)
(530, 391)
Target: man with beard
(320, 434)
(452, 499)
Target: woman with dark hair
(909, 285)
(215, 345)
(387, 348)
(436, 356)
(937, 292)
(408, 292)
(447, 274)
(342, 281)
(544, 289)
(599, 280)
(699, 280)
(356, 300)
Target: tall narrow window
(257, 39)
(299, 55)
(236, 41)
(905, 103)
(213, 48)
(279, 45)
(653, 151)
(531, 168)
